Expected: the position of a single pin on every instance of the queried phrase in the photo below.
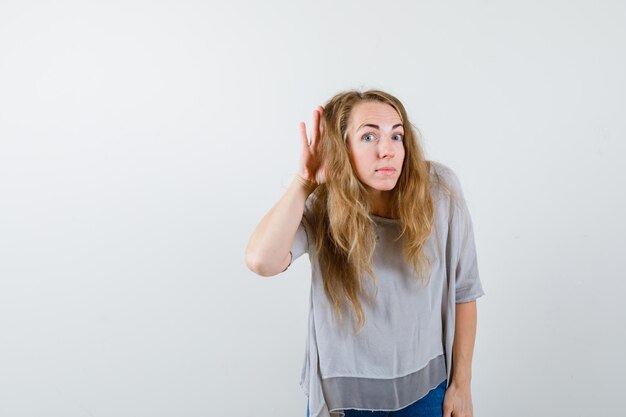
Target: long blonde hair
(344, 232)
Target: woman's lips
(386, 171)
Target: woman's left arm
(458, 399)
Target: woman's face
(375, 144)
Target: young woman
(392, 251)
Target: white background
(142, 142)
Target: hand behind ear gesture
(312, 168)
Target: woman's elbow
(258, 266)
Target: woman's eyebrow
(376, 126)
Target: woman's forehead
(373, 112)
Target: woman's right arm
(268, 250)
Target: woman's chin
(383, 186)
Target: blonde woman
(392, 317)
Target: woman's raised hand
(312, 167)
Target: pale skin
(374, 140)
(458, 398)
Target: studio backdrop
(141, 142)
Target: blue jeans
(431, 405)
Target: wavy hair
(339, 215)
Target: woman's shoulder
(441, 171)
(443, 178)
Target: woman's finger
(303, 136)
(317, 122)
(315, 128)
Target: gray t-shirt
(405, 348)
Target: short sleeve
(300, 244)
(468, 286)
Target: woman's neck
(380, 204)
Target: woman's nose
(386, 148)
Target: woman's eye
(399, 136)
(367, 136)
